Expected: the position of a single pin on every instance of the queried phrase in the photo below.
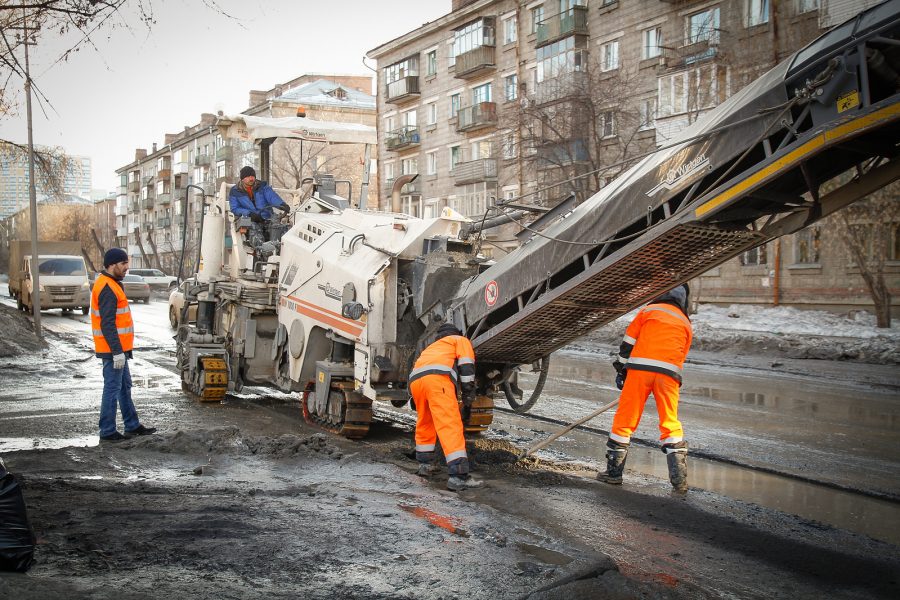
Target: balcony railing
(564, 85)
(163, 173)
(474, 62)
(224, 153)
(404, 88)
(134, 206)
(573, 21)
(164, 222)
(122, 232)
(402, 138)
(201, 160)
(475, 171)
(134, 186)
(148, 180)
(181, 167)
(483, 114)
(121, 210)
(147, 203)
(164, 198)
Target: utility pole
(32, 191)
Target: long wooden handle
(567, 429)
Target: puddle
(450, 524)
(42, 443)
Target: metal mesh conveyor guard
(608, 290)
(266, 297)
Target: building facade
(533, 101)
(159, 200)
(66, 175)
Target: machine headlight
(41, 287)
(85, 286)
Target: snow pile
(779, 332)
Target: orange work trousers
(438, 416)
(638, 386)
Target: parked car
(156, 279)
(176, 302)
(136, 288)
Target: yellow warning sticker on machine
(321, 376)
(847, 101)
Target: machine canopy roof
(249, 128)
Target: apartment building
(71, 174)
(536, 100)
(159, 200)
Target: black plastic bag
(16, 537)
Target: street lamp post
(32, 193)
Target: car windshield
(133, 278)
(62, 266)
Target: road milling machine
(336, 305)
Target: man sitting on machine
(254, 199)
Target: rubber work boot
(427, 469)
(615, 463)
(676, 457)
(458, 483)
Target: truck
(62, 276)
(338, 301)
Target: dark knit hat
(448, 329)
(113, 256)
(247, 172)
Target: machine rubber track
(357, 414)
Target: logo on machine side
(674, 177)
(491, 293)
(330, 291)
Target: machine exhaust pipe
(395, 190)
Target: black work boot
(676, 457)
(426, 464)
(615, 463)
(459, 476)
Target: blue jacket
(263, 197)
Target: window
(647, 111)
(431, 62)
(508, 147)
(753, 257)
(219, 142)
(608, 123)
(389, 171)
(454, 105)
(609, 56)
(401, 70)
(408, 118)
(390, 124)
(411, 205)
(537, 15)
(431, 112)
(559, 58)
(482, 93)
(482, 149)
(696, 89)
(806, 246)
(432, 208)
(474, 35)
(511, 86)
(455, 156)
(409, 166)
(758, 12)
(510, 30)
(652, 41)
(703, 26)
(807, 5)
(431, 163)
(476, 199)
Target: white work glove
(119, 362)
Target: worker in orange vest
(651, 359)
(447, 363)
(113, 333)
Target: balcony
(181, 167)
(147, 203)
(475, 171)
(164, 198)
(122, 232)
(475, 62)
(573, 21)
(562, 154)
(224, 153)
(201, 160)
(562, 86)
(181, 181)
(134, 186)
(163, 174)
(134, 206)
(405, 88)
(405, 137)
(148, 180)
(483, 114)
(164, 222)
(121, 210)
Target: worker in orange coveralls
(446, 363)
(650, 359)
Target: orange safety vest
(657, 340)
(124, 323)
(451, 355)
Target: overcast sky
(140, 84)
